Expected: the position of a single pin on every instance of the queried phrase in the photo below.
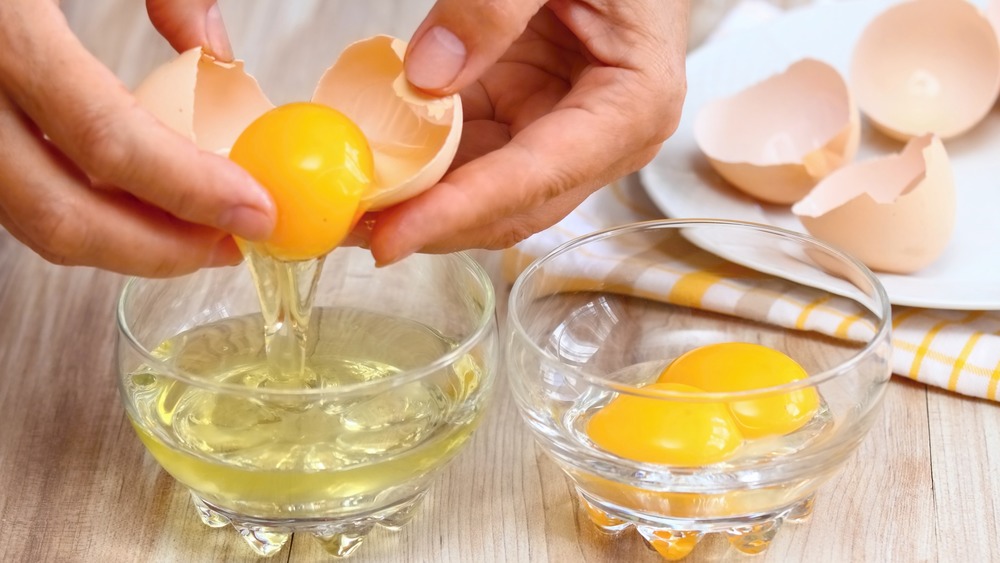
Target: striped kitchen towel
(955, 350)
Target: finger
(476, 103)
(49, 207)
(502, 232)
(616, 116)
(460, 39)
(191, 23)
(94, 120)
(643, 35)
(578, 145)
(478, 138)
(512, 229)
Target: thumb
(460, 39)
(191, 23)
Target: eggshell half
(413, 136)
(203, 99)
(777, 138)
(927, 66)
(896, 213)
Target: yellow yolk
(740, 366)
(316, 164)
(665, 431)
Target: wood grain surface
(76, 484)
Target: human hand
(560, 98)
(89, 178)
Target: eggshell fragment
(992, 12)
(203, 99)
(777, 138)
(896, 213)
(927, 66)
(413, 136)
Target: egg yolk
(741, 366)
(316, 164)
(665, 431)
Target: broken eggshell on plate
(895, 213)
(413, 136)
(926, 66)
(992, 12)
(777, 138)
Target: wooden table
(76, 485)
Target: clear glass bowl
(399, 364)
(602, 316)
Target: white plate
(681, 183)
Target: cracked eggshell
(413, 136)
(926, 66)
(205, 100)
(775, 139)
(896, 213)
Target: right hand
(87, 177)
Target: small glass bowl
(399, 364)
(602, 316)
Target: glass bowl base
(674, 541)
(339, 537)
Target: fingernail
(218, 39)
(246, 222)
(436, 59)
(225, 253)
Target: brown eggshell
(413, 136)
(203, 99)
(927, 66)
(777, 138)
(896, 213)
(992, 12)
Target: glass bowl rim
(881, 298)
(484, 324)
